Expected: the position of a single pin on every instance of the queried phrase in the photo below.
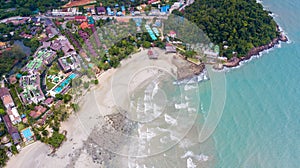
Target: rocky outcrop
(186, 69)
(255, 51)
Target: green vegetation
(2, 129)
(56, 139)
(238, 24)
(9, 58)
(33, 44)
(3, 157)
(2, 111)
(49, 84)
(27, 7)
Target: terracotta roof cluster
(38, 111)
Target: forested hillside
(10, 8)
(239, 25)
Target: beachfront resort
(68, 50)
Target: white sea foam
(190, 163)
(191, 109)
(170, 120)
(196, 79)
(155, 90)
(200, 157)
(186, 98)
(182, 105)
(189, 87)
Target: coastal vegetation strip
(237, 26)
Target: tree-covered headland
(236, 26)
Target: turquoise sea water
(260, 125)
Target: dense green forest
(238, 24)
(26, 7)
(9, 58)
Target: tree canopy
(238, 24)
(27, 7)
(9, 58)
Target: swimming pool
(27, 134)
(64, 83)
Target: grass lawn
(53, 70)
(49, 84)
(20, 126)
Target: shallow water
(260, 123)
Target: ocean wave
(192, 109)
(190, 163)
(200, 157)
(181, 106)
(195, 79)
(189, 87)
(170, 120)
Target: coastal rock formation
(255, 51)
(186, 69)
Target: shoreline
(95, 103)
(235, 62)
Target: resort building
(101, 10)
(3, 45)
(13, 131)
(44, 117)
(69, 62)
(6, 98)
(66, 12)
(8, 103)
(51, 31)
(170, 48)
(32, 91)
(38, 111)
(13, 115)
(152, 54)
(42, 58)
(80, 18)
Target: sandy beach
(100, 134)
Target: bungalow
(84, 25)
(3, 45)
(67, 47)
(172, 34)
(170, 48)
(44, 117)
(152, 54)
(153, 2)
(38, 111)
(69, 62)
(56, 45)
(6, 98)
(80, 18)
(51, 31)
(13, 131)
(101, 10)
(13, 115)
(49, 101)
